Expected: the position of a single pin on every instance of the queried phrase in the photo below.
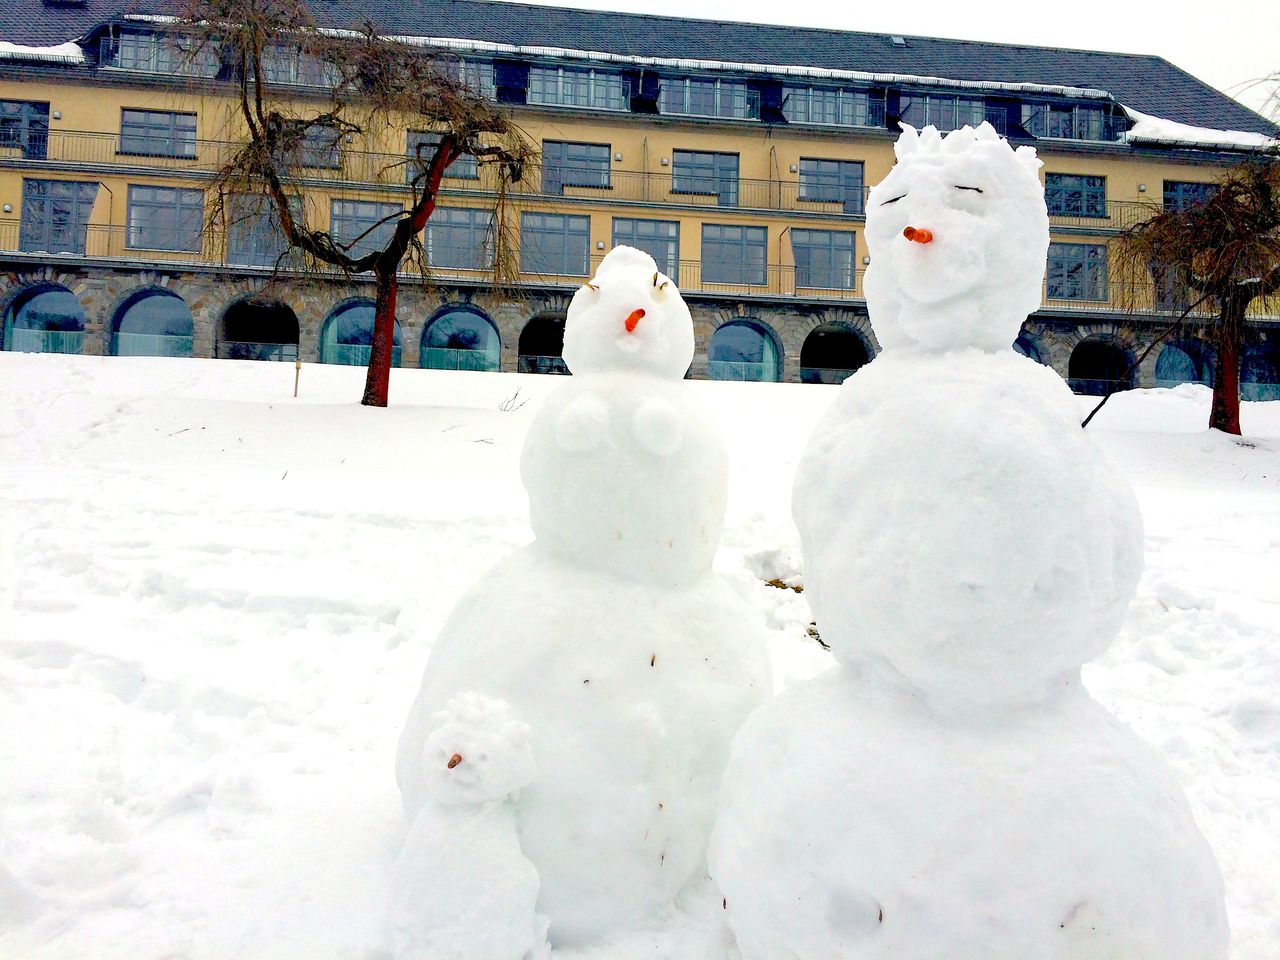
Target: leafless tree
(341, 86)
(1226, 252)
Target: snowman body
(950, 789)
(630, 662)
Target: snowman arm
(583, 424)
(657, 427)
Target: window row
(1084, 195)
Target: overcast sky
(1227, 43)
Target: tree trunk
(1224, 415)
(378, 378)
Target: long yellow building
(737, 155)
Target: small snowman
(950, 789)
(463, 890)
(609, 636)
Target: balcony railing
(388, 173)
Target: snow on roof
(69, 52)
(463, 45)
(1149, 129)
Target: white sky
(1226, 43)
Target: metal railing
(448, 358)
(151, 345)
(26, 340)
(388, 173)
(250, 350)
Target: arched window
(46, 318)
(1027, 347)
(1098, 366)
(152, 323)
(743, 350)
(541, 344)
(831, 353)
(1184, 361)
(460, 338)
(1260, 372)
(258, 330)
(347, 335)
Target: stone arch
(744, 348)
(1100, 364)
(832, 352)
(42, 316)
(1185, 361)
(541, 344)
(1026, 346)
(151, 321)
(1260, 371)
(460, 336)
(257, 327)
(346, 336)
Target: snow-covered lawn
(217, 601)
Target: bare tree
(1226, 251)
(340, 86)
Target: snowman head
(629, 316)
(477, 753)
(958, 233)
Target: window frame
(818, 185)
(182, 196)
(1090, 284)
(605, 89)
(440, 221)
(729, 99)
(1086, 192)
(712, 182)
(46, 233)
(465, 167)
(571, 227)
(739, 271)
(374, 230)
(936, 106)
(669, 262)
(32, 138)
(174, 131)
(591, 168)
(841, 267)
(852, 107)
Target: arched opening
(152, 323)
(1027, 347)
(1260, 372)
(743, 350)
(460, 338)
(541, 344)
(1098, 366)
(831, 353)
(45, 318)
(1184, 361)
(256, 329)
(347, 335)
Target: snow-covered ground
(216, 602)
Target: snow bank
(1149, 129)
(68, 52)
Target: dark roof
(1147, 83)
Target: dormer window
(941, 110)
(836, 106)
(1067, 121)
(577, 87)
(151, 51)
(702, 97)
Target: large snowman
(609, 638)
(950, 790)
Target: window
(165, 218)
(941, 110)
(832, 181)
(1067, 121)
(713, 174)
(291, 65)
(46, 318)
(460, 338)
(364, 224)
(732, 254)
(824, 258)
(25, 126)
(254, 236)
(318, 149)
(696, 97)
(157, 133)
(1180, 194)
(421, 148)
(832, 105)
(347, 335)
(574, 165)
(658, 238)
(1075, 195)
(742, 350)
(579, 87)
(1077, 271)
(554, 243)
(478, 75)
(458, 237)
(152, 52)
(55, 215)
(152, 323)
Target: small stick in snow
(297, 375)
(653, 659)
(455, 760)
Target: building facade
(744, 175)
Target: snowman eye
(974, 189)
(894, 200)
(592, 287)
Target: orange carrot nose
(918, 234)
(633, 320)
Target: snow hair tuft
(918, 144)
